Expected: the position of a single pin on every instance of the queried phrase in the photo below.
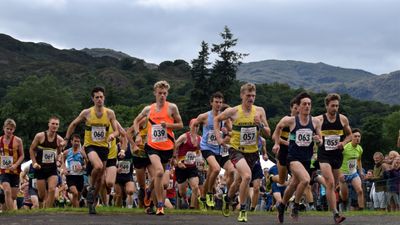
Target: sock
(242, 207)
(160, 204)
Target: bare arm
(20, 153)
(114, 124)
(201, 119)
(178, 143)
(136, 123)
(32, 149)
(347, 131)
(73, 124)
(225, 115)
(177, 118)
(262, 123)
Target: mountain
(322, 77)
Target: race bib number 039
(158, 133)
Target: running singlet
(244, 131)
(332, 134)
(96, 129)
(8, 156)
(351, 155)
(74, 162)
(158, 137)
(140, 152)
(46, 152)
(112, 154)
(209, 140)
(187, 152)
(301, 141)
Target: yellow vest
(96, 129)
(244, 131)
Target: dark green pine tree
(200, 78)
(225, 67)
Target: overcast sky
(361, 34)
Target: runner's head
(196, 128)
(75, 141)
(216, 101)
(248, 93)
(161, 91)
(9, 127)
(98, 96)
(356, 136)
(303, 101)
(54, 123)
(332, 103)
(293, 107)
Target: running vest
(158, 137)
(73, 161)
(112, 154)
(351, 155)
(140, 152)
(332, 134)
(8, 155)
(301, 141)
(46, 153)
(208, 140)
(187, 152)
(244, 131)
(96, 129)
(31, 176)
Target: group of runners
(231, 138)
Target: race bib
(211, 138)
(75, 167)
(158, 133)
(34, 181)
(48, 156)
(190, 158)
(331, 142)
(199, 162)
(224, 151)
(125, 166)
(170, 184)
(352, 166)
(98, 133)
(6, 162)
(304, 137)
(248, 136)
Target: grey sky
(362, 34)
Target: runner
(336, 133)
(74, 166)
(351, 161)
(248, 122)
(216, 156)
(187, 149)
(98, 120)
(12, 155)
(304, 131)
(163, 118)
(44, 150)
(257, 174)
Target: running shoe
(202, 204)
(210, 200)
(225, 205)
(338, 218)
(295, 212)
(147, 197)
(160, 211)
(281, 212)
(242, 216)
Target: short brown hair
(10, 122)
(161, 84)
(247, 87)
(331, 97)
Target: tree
(34, 100)
(200, 72)
(224, 68)
(390, 131)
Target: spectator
(380, 185)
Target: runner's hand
(275, 148)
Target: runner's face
(161, 94)
(9, 130)
(76, 142)
(356, 138)
(333, 107)
(98, 98)
(305, 106)
(53, 125)
(248, 97)
(216, 104)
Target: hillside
(322, 77)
